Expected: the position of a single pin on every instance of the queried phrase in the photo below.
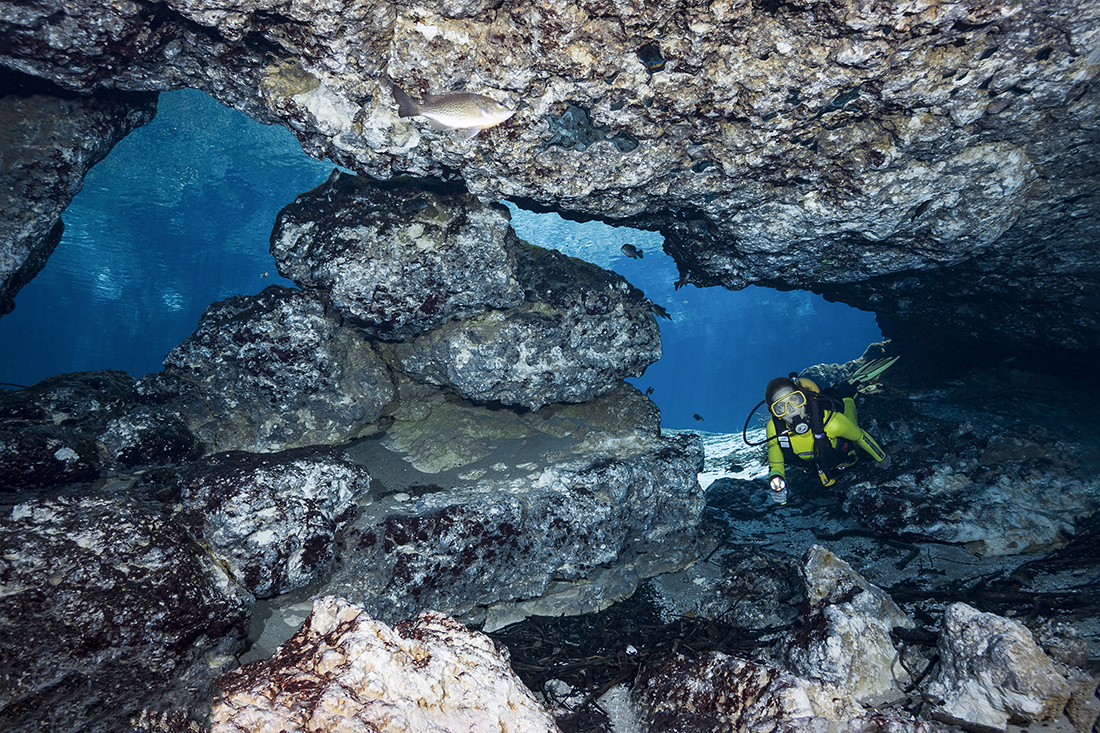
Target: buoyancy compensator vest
(825, 457)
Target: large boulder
(580, 331)
(498, 515)
(992, 673)
(344, 670)
(76, 428)
(271, 519)
(845, 635)
(109, 612)
(275, 371)
(717, 692)
(471, 307)
(398, 259)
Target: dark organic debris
(595, 652)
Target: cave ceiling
(935, 162)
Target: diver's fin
(871, 369)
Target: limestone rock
(845, 636)
(992, 673)
(526, 506)
(346, 671)
(76, 428)
(274, 371)
(1004, 482)
(862, 151)
(1083, 707)
(108, 609)
(272, 518)
(144, 437)
(720, 693)
(51, 140)
(581, 330)
(398, 259)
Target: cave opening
(179, 214)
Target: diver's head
(787, 401)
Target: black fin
(405, 106)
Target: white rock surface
(344, 671)
(846, 640)
(992, 671)
(717, 692)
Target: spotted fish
(465, 111)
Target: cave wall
(933, 162)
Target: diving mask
(791, 403)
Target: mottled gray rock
(504, 322)
(1083, 708)
(581, 330)
(109, 612)
(570, 506)
(720, 693)
(867, 151)
(346, 671)
(144, 437)
(844, 637)
(992, 672)
(51, 140)
(271, 518)
(398, 259)
(76, 428)
(996, 460)
(275, 371)
(48, 431)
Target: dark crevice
(651, 58)
(573, 130)
(839, 101)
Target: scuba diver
(816, 428)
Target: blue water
(721, 347)
(176, 217)
(179, 214)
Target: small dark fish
(648, 392)
(681, 282)
(921, 208)
(659, 311)
(414, 205)
(632, 252)
(698, 417)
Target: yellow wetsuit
(838, 427)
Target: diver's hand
(777, 490)
(884, 463)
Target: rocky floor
(746, 593)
